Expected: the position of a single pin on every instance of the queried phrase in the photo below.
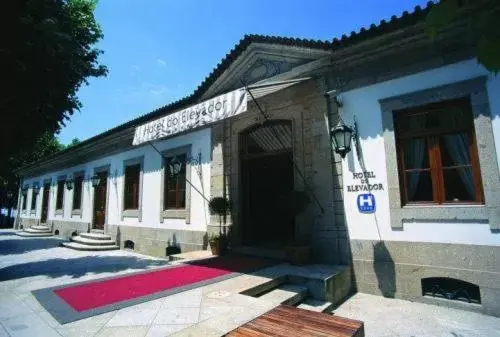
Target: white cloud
(134, 70)
(161, 63)
(157, 90)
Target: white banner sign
(218, 108)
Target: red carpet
(100, 293)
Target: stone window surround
(176, 213)
(33, 210)
(47, 181)
(78, 211)
(103, 168)
(60, 211)
(133, 213)
(476, 90)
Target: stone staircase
(36, 231)
(93, 241)
(280, 291)
(316, 288)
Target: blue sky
(158, 51)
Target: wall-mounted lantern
(174, 166)
(341, 136)
(36, 188)
(95, 180)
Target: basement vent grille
(129, 244)
(451, 289)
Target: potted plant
(298, 251)
(218, 243)
(220, 206)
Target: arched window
(270, 137)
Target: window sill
(174, 214)
(59, 212)
(464, 205)
(33, 213)
(76, 212)
(130, 213)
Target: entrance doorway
(45, 203)
(100, 193)
(267, 181)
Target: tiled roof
(384, 27)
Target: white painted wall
(200, 142)
(363, 103)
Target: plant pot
(218, 247)
(298, 255)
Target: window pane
(419, 186)
(132, 177)
(455, 149)
(459, 184)
(77, 193)
(33, 200)
(416, 154)
(60, 194)
(174, 196)
(415, 122)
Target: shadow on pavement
(76, 267)
(23, 245)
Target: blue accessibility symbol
(366, 203)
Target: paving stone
(187, 299)
(134, 317)
(199, 330)
(131, 331)
(28, 326)
(166, 329)
(3, 332)
(177, 316)
(13, 307)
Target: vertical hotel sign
(210, 111)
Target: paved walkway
(27, 264)
(398, 318)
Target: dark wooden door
(45, 203)
(100, 193)
(267, 181)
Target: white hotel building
(415, 205)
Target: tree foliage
(74, 141)
(47, 54)
(483, 29)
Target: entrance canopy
(207, 112)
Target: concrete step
(32, 230)
(97, 231)
(265, 287)
(40, 227)
(315, 305)
(84, 247)
(92, 242)
(34, 235)
(290, 294)
(95, 236)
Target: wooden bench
(288, 321)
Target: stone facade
(306, 107)
(156, 241)
(395, 269)
(27, 222)
(67, 228)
